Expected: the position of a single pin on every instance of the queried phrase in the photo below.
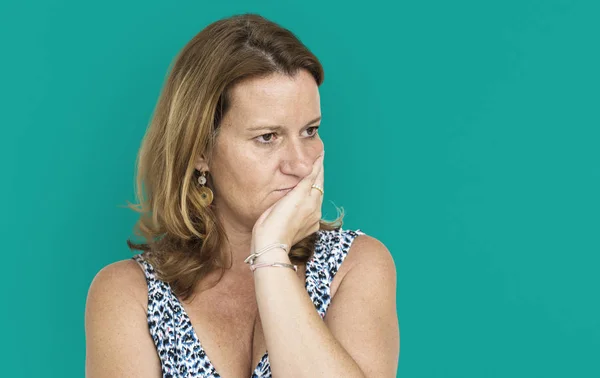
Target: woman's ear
(201, 164)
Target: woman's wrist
(275, 254)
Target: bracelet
(250, 259)
(253, 267)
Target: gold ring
(318, 188)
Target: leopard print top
(178, 346)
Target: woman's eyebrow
(278, 127)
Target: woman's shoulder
(116, 328)
(356, 246)
(365, 252)
(122, 281)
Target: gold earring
(206, 194)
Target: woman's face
(268, 141)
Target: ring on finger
(320, 189)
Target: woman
(230, 176)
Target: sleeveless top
(179, 349)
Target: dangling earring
(206, 194)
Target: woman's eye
(267, 137)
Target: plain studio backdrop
(462, 134)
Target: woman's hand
(296, 215)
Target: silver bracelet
(253, 267)
(250, 259)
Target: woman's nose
(297, 160)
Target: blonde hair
(182, 237)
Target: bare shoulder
(121, 279)
(118, 341)
(366, 249)
(366, 252)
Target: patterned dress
(178, 346)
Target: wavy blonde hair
(182, 237)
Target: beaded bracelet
(253, 267)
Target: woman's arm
(359, 336)
(118, 343)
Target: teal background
(464, 135)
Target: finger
(310, 179)
(320, 180)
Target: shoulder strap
(330, 251)
(340, 249)
(147, 268)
